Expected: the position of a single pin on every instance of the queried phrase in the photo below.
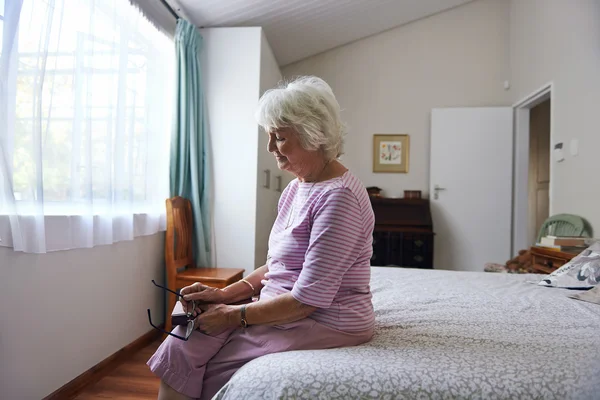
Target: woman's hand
(217, 318)
(200, 294)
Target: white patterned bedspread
(446, 335)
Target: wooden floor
(131, 380)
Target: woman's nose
(271, 145)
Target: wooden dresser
(403, 234)
(546, 261)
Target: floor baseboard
(105, 367)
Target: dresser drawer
(546, 264)
(403, 249)
(546, 261)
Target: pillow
(582, 272)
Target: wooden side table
(215, 277)
(546, 261)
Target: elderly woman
(314, 288)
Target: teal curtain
(189, 154)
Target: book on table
(566, 244)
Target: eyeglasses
(190, 317)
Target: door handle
(436, 190)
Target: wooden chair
(565, 225)
(179, 256)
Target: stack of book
(565, 243)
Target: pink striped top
(320, 250)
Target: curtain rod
(168, 7)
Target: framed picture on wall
(390, 153)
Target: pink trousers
(200, 366)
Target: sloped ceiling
(297, 29)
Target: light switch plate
(574, 147)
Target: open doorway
(539, 167)
(532, 168)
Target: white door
(471, 186)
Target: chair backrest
(178, 241)
(564, 225)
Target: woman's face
(285, 145)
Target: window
(95, 108)
(88, 120)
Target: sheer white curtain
(85, 120)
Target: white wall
(389, 83)
(63, 312)
(559, 41)
(231, 75)
(266, 198)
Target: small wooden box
(412, 194)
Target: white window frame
(58, 208)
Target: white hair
(308, 106)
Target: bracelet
(249, 284)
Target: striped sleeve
(336, 240)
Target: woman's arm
(240, 290)
(278, 310)
(231, 294)
(282, 309)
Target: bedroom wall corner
(266, 197)
(231, 75)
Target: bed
(446, 335)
